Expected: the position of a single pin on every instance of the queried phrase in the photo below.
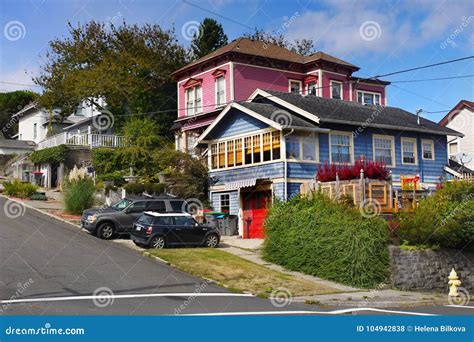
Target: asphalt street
(48, 267)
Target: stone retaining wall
(429, 270)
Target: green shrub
(445, 218)
(330, 240)
(54, 155)
(154, 188)
(19, 189)
(78, 195)
(115, 177)
(134, 188)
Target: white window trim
(403, 139)
(449, 148)
(300, 143)
(295, 81)
(194, 109)
(392, 149)
(368, 92)
(216, 95)
(351, 143)
(340, 85)
(431, 143)
(315, 87)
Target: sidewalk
(348, 296)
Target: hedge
(53, 155)
(317, 236)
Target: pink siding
(368, 87)
(248, 78)
(208, 90)
(326, 86)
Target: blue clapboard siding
(234, 201)
(279, 190)
(270, 171)
(293, 189)
(235, 123)
(302, 170)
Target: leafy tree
(187, 176)
(210, 37)
(127, 65)
(11, 103)
(304, 46)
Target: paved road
(54, 265)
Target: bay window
(341, 148)
(384, 149)
(409, 151)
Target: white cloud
(17, 78)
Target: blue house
(269, 145)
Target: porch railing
(82, 139)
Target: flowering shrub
(372, 170)
(77, 174)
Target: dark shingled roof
(24, 144)
(353, 113)
(454, 165)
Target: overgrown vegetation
(78, 192)
(54, 155)
(19, 189)
(330, 240)
(445, 219)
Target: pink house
(233, 72)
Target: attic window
(294, 86)
(368, 98)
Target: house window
(453, 148)
(191, 140)
(409, 151)
(230, 153)
(336, 90)
(427, 148)
(267, 146)
(35, 130)
(193, 100)
(292, 147)
(309, 147)
(221, 155)
(248, 150)
(220, 91)
(295, 86)
(238, 152)
(225, 203)
(367, 98)
(79, 111)
(276, 146)
(301, 148)
(311, 88)
(341, 148)
(214, 156)
(384, 150)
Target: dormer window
(194, 100)
(368, 98)
(79, 111)
(295, 86)
(336, 90)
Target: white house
(461, 119)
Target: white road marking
(125, 296)
(334, 312)
(460, 306)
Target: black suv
(107, 222)
(155, 230)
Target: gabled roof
(21, 144)
(353, 113)
(258, 48)
(455, 111)
(454, 165)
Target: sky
(378, 36)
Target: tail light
(148, 230)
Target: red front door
(255, 211)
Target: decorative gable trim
(192, 82)
(218, 72)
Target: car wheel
(157, 242)
(106, 231)
(211, 241)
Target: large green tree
(210, 37)
(127, 65)
(304, 47)
(11, 103)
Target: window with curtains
(249, 150)
(384, 150)
(408, 151)
(301, 147)
(194, 100)
(341, 148)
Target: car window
(184, 221)
(145, 219)
(164, 221)
(137, 207)
(178, 206)
(157, 206)
(120, 205)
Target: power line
(433, 79)
(424, 67)
(21, 84)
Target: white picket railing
(82, 139)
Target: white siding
(26, 123)
(464, 122)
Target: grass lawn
(236, 273)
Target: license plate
(138, 228)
